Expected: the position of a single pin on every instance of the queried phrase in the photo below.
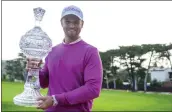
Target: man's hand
(33, 64)
(45, 102)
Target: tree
(131, 60)
(148, 48)
(106, 61)
(164, 52)
(9, 69)
(16, 67)
(113, 75)
(113, 65)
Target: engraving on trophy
(34, 44)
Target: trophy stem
(31, 91)
(37, 23)
(33, 79)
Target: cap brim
(66, 14)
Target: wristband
(54, 100)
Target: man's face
(72, 26)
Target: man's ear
(61, 21)
(82, 24)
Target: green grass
(109, 100)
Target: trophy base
(28, 98)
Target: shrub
(155, 84)
(119, 84)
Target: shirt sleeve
(93, 74)
(44, 75)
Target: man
(72, 71)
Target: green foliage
(119, 84)
(15, 68)
(156, 84)
(131, 59)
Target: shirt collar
(76, 41)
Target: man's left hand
(45, 102)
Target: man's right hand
(33, 63)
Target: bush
(141, 85)
(155, 84)
(119, 84)
(158, 87)
(111, 85)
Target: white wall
(160, 76)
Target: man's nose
(71, 25)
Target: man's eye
(67, 22)
(76, 22)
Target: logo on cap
(72, 10)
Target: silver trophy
(34, 44)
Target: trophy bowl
(34, 44)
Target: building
(162, 75)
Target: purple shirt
(73, 73)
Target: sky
(107, 24)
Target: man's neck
(68, 40)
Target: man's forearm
(80, 95)
(44, 75)
(43, 79)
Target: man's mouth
(71, 31)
